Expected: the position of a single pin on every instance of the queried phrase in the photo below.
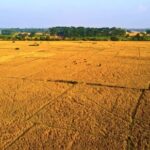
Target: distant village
(26, 34)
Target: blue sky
(94, 13)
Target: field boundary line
(46, 104)
(78, 82)
(129, 143)
(116, 115)
(137, 106)
(139, 51)
(109, 112)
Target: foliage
(114, 38)
(148, 31)
(86, 32)
(72, 33)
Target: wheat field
(74, 95)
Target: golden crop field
(75, 95)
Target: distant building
(24, 33)
(56, 37)
(131, 34)
(39, 33)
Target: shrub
(114, 38)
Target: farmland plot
(74, 95)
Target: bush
(114, 38)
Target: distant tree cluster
(10, 31)
(74, 33)
(148, 31)
(80, 32)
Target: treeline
(10, 31)
(98, 34)
(81, 32)
(74, 33)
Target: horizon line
(74, 26)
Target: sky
(88, 13)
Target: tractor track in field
(129, 142)
(5, 147)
